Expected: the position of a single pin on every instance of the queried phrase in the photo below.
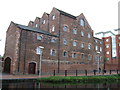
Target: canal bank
(81, 79)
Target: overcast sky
(102, 15)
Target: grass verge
(81, 79)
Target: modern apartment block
(111, 49)
(68, 42)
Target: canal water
(35, 85)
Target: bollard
(94, 72)
(86, 72)
(117, 71)
(76, 72)
(110, 71)
(54, 73)
(65, 72)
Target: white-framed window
(89, 57)
(53, 40)
(107, 52)
(64, 54)
(53, 17)
(107, 40)
(82, 56)
(119, 44)
(100, 49)
(44, 21)
(40, 37)
(65, 28)
(96, 47)
(89, 35)
(89, 46)
(74, 55)
(100, 42)
(107, 46)
(82, 33)
(82, 45)
(82, 22)
(64, 41)
(75, 31)
(38, 50)
(119, 37)
(36, 25)
(53, 28)
(52, 52)
(96, 41)
(74, 43)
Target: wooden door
(32, 67)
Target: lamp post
(39, 51)
(98, 61)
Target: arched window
(82, 33)
(89, 46)
(53, 17)
(75, 31)
(65, 28)
(53, 28)
(64, 41)
(65, 54)
(52, 52)
(88, 35)
(82, 22)
(74, 43)
(74, 55)
(40, 37)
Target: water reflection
(34, 85)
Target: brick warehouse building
(111, 48)
(68, 43)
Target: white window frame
(89, 35)
(64, 41)
(107, 40)
(65, 28)
(89, 46)
(74, 55)
(107, 46)
(38, 37)
(74, 43)
(64, 54)
(89, 57)
(53, 28)
(100, 49)
(53, 17)
(36, 25)
(74, 31)
(51, 52)
(82, 45)
(82, 33)
(96, 47)
(107, 52)
(44, 21)
(53, 40)
(82, 56)
(119, 37)
(82, 22)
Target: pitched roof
(97, 38)
(34, 30)
(66, 14)
(105, 32)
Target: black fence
(80, 72)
